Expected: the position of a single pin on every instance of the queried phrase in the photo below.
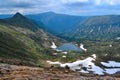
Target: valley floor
(13, 72)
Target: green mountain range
(56, 23)
(23, 42)
(97, 28)
(105, 27)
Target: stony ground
(13, 72)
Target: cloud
(77, 7)
(15, 4)
(94, 7)
(108, 2)
(73, 1)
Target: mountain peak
(22, 21)
(49, 13)
(18, 15)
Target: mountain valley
(50, 40)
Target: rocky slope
(13, 72)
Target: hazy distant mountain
(79, 27)
(56, 23)
(74, 27)
(97, 28)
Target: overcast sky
(73, 7)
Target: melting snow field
(111, 64)
(112, 71)
(88, 63)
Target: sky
(72, 7)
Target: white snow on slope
(110, 45)
(83, 71)
(99, 28)
(50, 62)
(90, 66)
(109, 28)
(111, 64)
(118, 38)
(91, 30)
(82, 47)
(64, 56)
(112, 71)
(65, 52)
(53, 45)
(94, 56)
(84, 63)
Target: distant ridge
(104, 27)
(97, 28)
(56, 23)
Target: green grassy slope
(23, 42)
(14, 45)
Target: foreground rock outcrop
(13, 72)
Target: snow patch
(111, 64)
(65, 52)
(58, 50)
(89, 66)
(83, 71)
(112, 71)
(91, 30)
(64, 56)
(76, 44)
(55, 53)
(50, 62)
(82, 47)
(99, 28)
(53, 45)
(109, 28)
(94, 56)
(118, 38)
(110, 45)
